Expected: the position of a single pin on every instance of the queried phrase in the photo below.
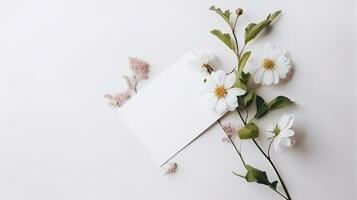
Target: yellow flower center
(220, 92)
(268, 63)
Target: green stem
(275, 169)
(279, 193)
(270, 161)
(271, 142)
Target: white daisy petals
(236, 91)
(230, 79)
(282, 133)
(219, 93)
(198, 64)
(221, 106)
(219, 77)
(272, 66)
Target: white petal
(206, 58)
(230, 79)
(204, 73)
(286, 142)
(272, 51)
(209, 85)
(230, 99)
(276, 53)
(268, 49)
(284, 60)
(258, 75)
(232, 102)
(276, 77)
(236, 91)
(210, 99)
(291, 121)
(286, 133)
(268, 77)
(196, 64)
(219, 77)
(283, 121)
(286, 121)
(221, 106)
(277, 144)
(282, 68)
(232, 107)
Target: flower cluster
(170, 168)
(140, 71)
(235, 91)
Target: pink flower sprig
(171, 168)
(119, 99)
(140, 71)
(231, 132)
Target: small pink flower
(171, 168)
(140, 68)
(119, 99)
(231, 132)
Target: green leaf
(247, 30)
(249, 131)
(256, 30)
(262, 107)
(225, 38)
(225, 15)
(248, 98)
(243, 60)
(258, 176)
(279, 102)
(245, 77)
(271, 17)
(240, 84)
(252, 30)
(239, 175)
(242, 78)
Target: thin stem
(271, 142)
(235, 37)
(275, 169)
(270, 161)
(279, 193)
(252, 119)
(235, 147)
(236, 42)
(241, 51)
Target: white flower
(219, 93)
(201, 63)
(282, 134)
(271, 65)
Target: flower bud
(239, 11)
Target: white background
(59, 139)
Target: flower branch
(226, 92)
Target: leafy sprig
(250, 129)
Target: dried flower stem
(140, 71)
(235, 147)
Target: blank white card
(168, 114)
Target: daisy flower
(201, 64)
(271, 64)
(281, 133)
(219, 93)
